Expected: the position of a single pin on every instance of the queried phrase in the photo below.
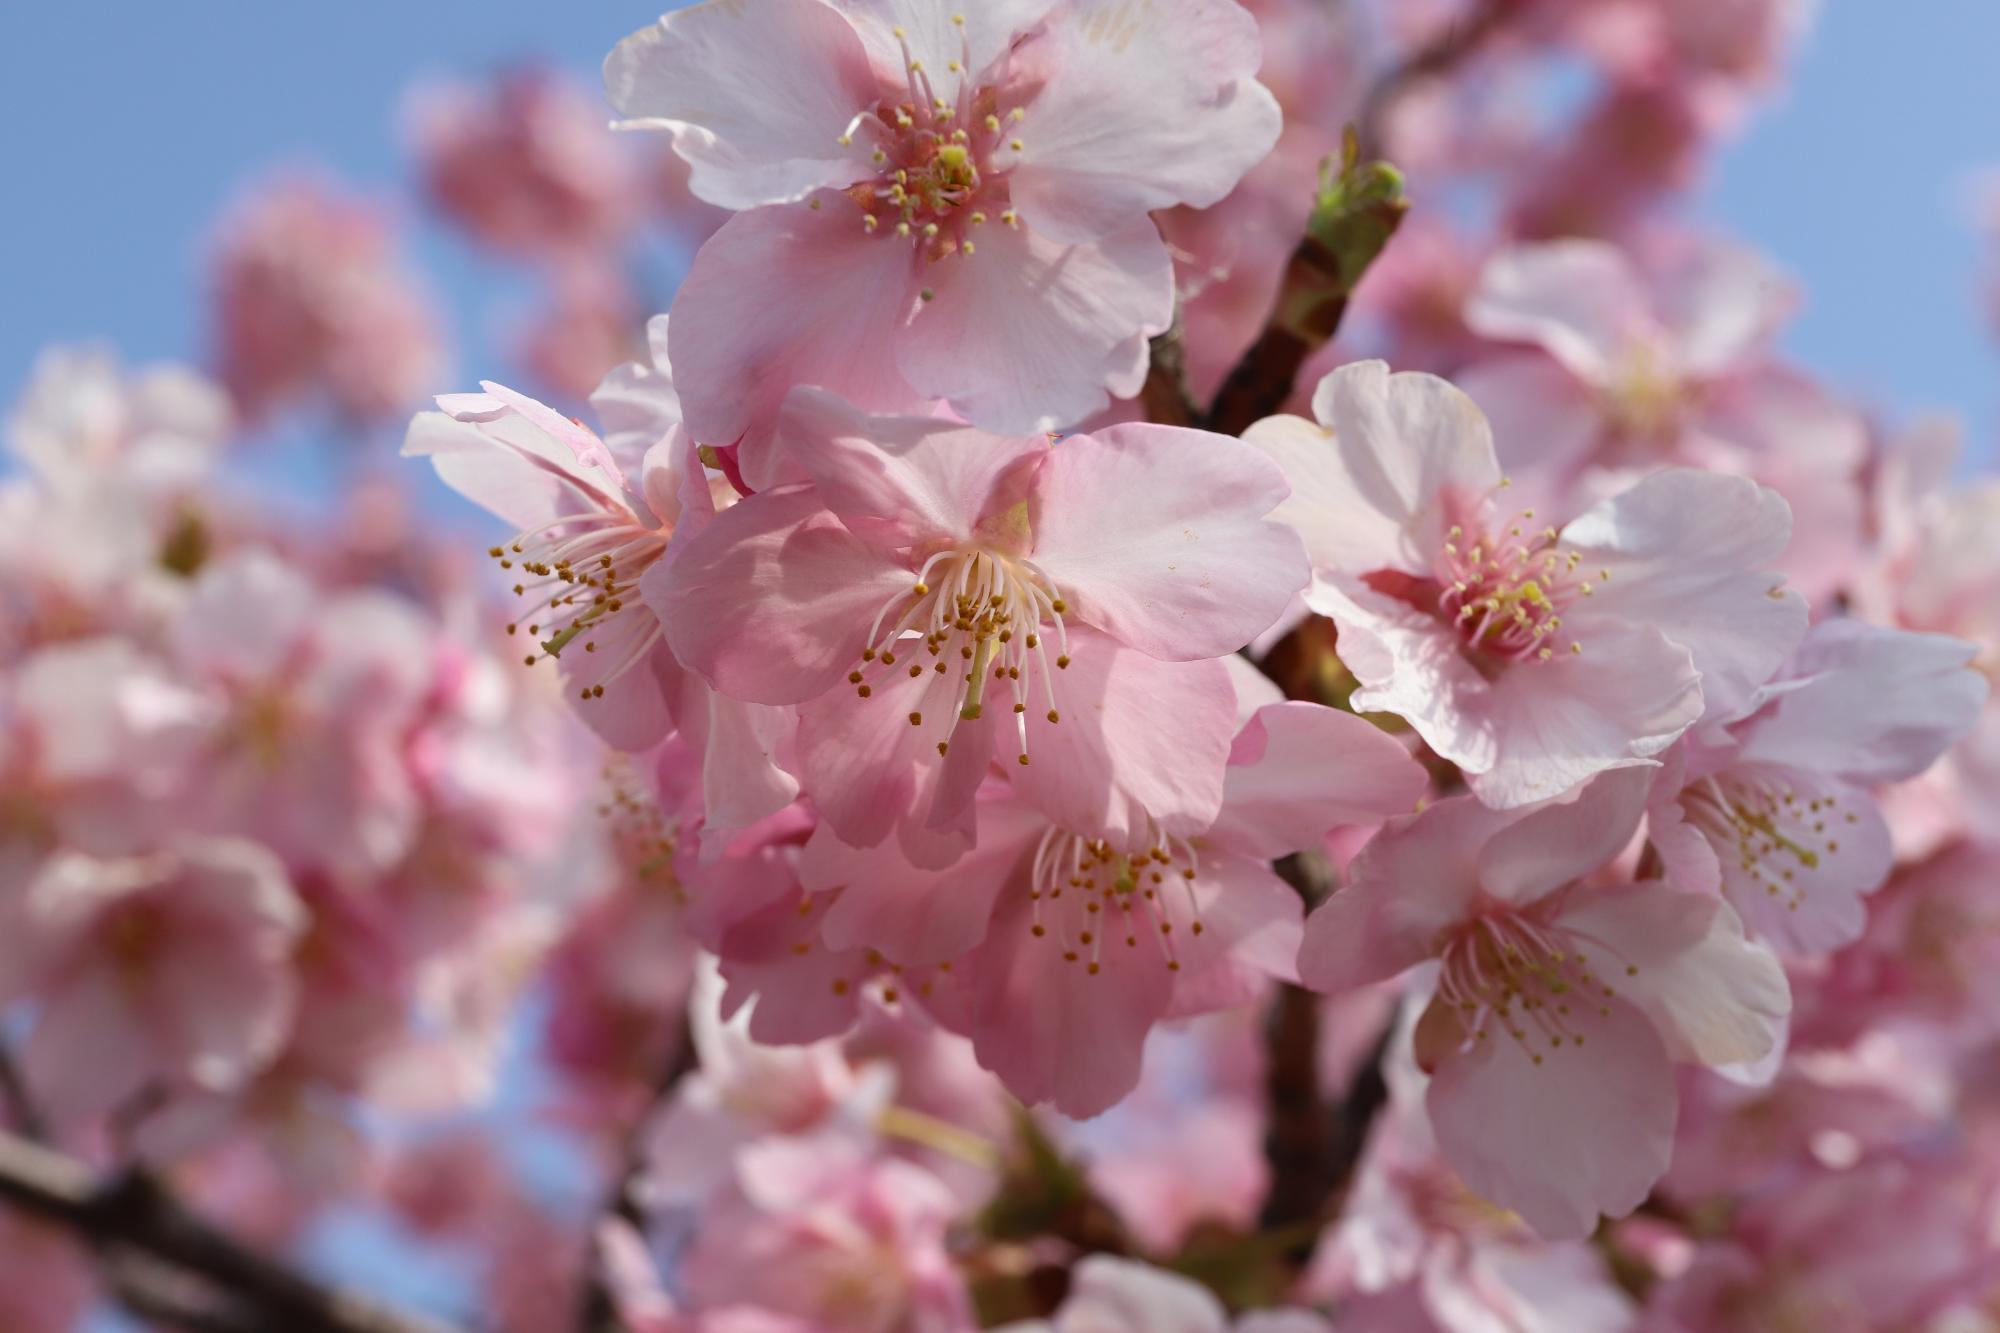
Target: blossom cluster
(1086, 736)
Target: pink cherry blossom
(1778, 814)
(524, 163)
(1530, 656)
(944, 205)
(171, 966)
(592, 525)
(1059, 950)
(818, 1229)
(948, 576)
(1559, 1008)
(1640, 368)
(311, 299)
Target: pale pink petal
(772, 602)
(1416, 878)
(1559, 1134)
(1409, 450)
(1193, 569)
(936, 35)
(801, 995)
(1553, 846)
(1806, 852)
(1118, 1296)
(1546, 422)
(632, 713)
(1721, 303)
(637, 403)
(1298, 770)
(1553, 725)
(786, 296)
(246, 617)
(1050, 1027)
(1146, 106)
(1249, 919)
(743, 776)
(1879, 705)
(1138, 739)
(1028, 334)
(89, 1050)
(1681, 958)
(912, 915)
(1690, 554)
(899, 481)
(866, 767)
(757, 96)
(1579, 299)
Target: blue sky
(127, 125)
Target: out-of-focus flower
(1119, 1296)
(172, 966)
(525, 163)
(311, 300)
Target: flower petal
(757, 96)
(1160, 536)
(1299, 770)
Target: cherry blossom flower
(932, 576)
(1559, 1008)
(1530, 656)
(945, 205)
(1778, 815)
(171, 966)
(1058, 951)
(592, 525)
(310, 298)
(822, 1230)
(1666, 364)
(524, 163)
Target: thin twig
(1444, 52)
(131, 1220)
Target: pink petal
(1417, 877)
(1722, 303)
(757, 96)
(1138, 740)
(772, 602)
(1579, 299)
(1051, 1029)
(1028, 334)
(89, 1051)
(899, 482)
(1559, 1134)
(866, 767)
(912, 915)
(1690, 553)
(787, 296)
(1880, 705)
(1195, 569)
(1546, 422)
(1553, 846)
(1405, 449)
(1298, 770)
(1681, 958)
(1144, 108)
(936, 35)
(1119, 1296)
(801, 996)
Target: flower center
(939, 159)
(995, 611)
(1086, 891)
(1776, 833)
(1507, 970)
(1506, 594)
(586, 569)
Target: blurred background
(128, 127)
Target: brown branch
(170, 1265)
(1165, 395)
(597, 1311)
